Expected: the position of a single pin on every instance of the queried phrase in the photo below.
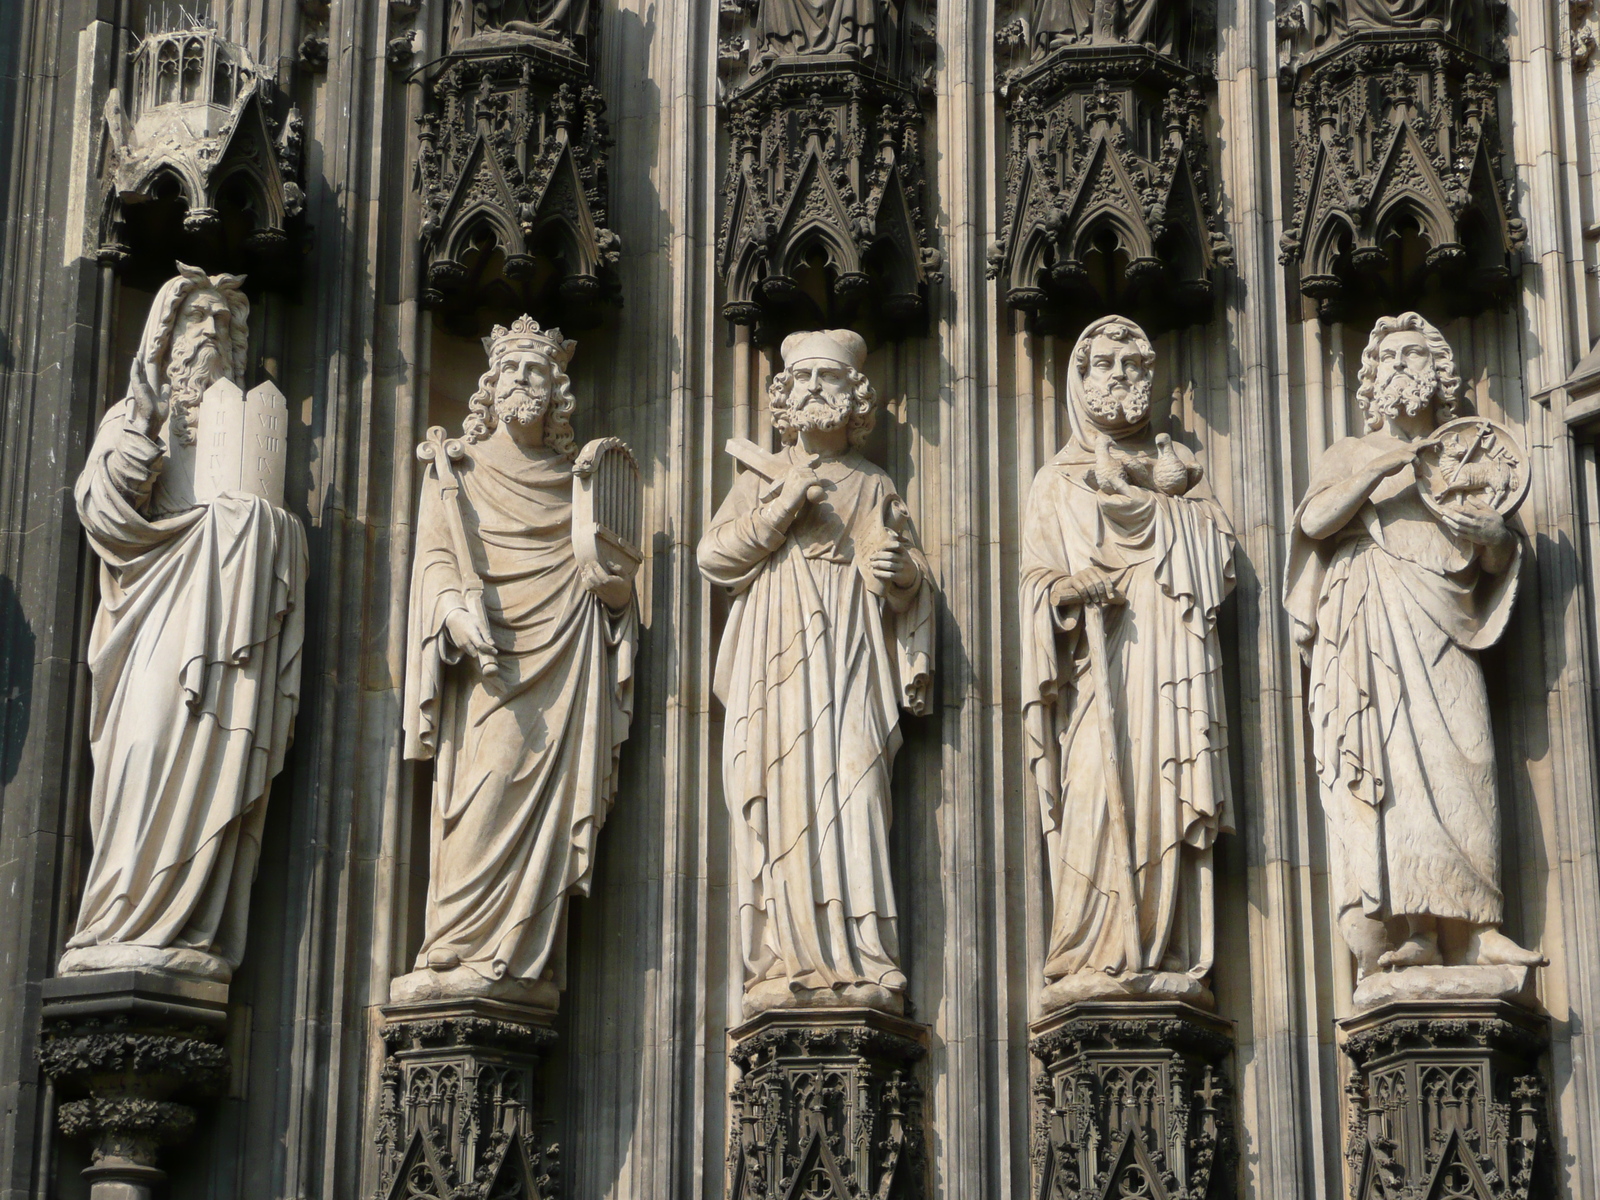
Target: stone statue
(519, 684)
(557, 20)
(1105, 22)
(785, 28)
(1126, 556)
(1326, 22)
(195, 652)
(830, 634)
(1390, 596)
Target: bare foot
(1488, 947)
(1418, 950)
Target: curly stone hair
(558, 436)
(863, 407)
(1444, 366)
(1118, 331)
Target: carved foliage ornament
(459, 1110)
(1397, 143)
(1108, 181)
(823, 212)
(826, 1110)
(199, 122)
(512, 170)
(1449, 1105)
(1132, 1103)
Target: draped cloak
(813, 669)
(817, 26)
(195, 660)
(525, 772)
(1388, 612)
(1171, 557)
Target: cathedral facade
(800, 599)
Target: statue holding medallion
(519, 681)
(1403, 566)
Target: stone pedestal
(1132, 1103)
(1447, 1100)
(827, 1107)
(129, 1051)
(461, 1103)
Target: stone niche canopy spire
(203, 158)
(1400, 192)
(1108, 180)
(822, 220)
(512, 164)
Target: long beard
(521, 405)
(1117, 408)
(1406, 392)
(193, 368)
(817, 415)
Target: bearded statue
(195, 653)
(1391, 598)
(829, 637)
(519, 684)
(1126, 558)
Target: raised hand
(147, 412)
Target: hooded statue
(830, 635)
(195, 656)
(1123, 520)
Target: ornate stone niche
(1448, 1100)
(823, 221)
(202, 161)
(827, 1107)
(132, 1053)
(1133, 1102)
(512, 170)
(1399, 187)
(1108, 195)
(459, 1104)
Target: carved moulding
(1398, 182)
(512, 170)
(130, 1054)
(1108, 190)
(823, 216)
(827, 1107)
(200, 131)
(1133, 1101)
(1447, 1100)
(460, 1103)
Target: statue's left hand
(614, 591)
(1478, 523)
(893, 565)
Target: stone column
(129, 1052)
(461, 1104)
(827, 1105)
(1448, 1099)
(1133, 1101)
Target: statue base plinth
(1133, 1100)
(1446, 985)
(1448, 1098)
(129, 1051)
(461, 1099)
(827, 1104)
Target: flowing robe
(195, 657)
(526, 770)
(1388, 612)
(813, 670)
(1078, 18)
(1172, 559)
(817, 26)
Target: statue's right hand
(145, 415)
(1391, 461)
(796, 485)
(1088, 586)
(468, 632)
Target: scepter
(1094, 622)
(443, 451)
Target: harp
(607, 507)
